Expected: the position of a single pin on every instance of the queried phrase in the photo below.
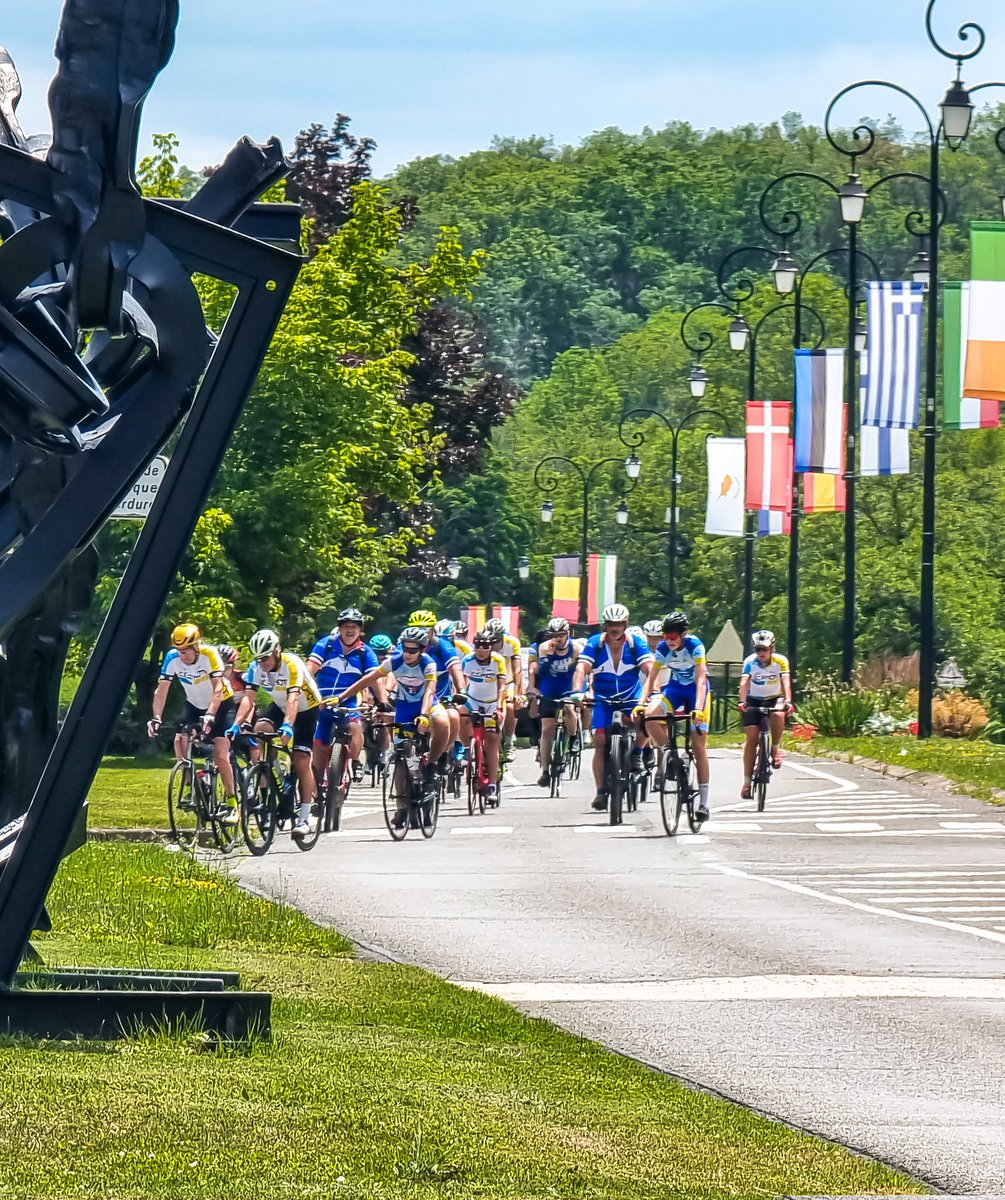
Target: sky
(427, 77)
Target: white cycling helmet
(653, 628)
(763, 639)
(443, 628)
(615, 614)
(263, 643)
(634, 631)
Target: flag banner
(769, 461)
(601, 585)
(509, 616)
(725, 510)
(565, 590)
(820, 417)
(959, 411)
(474, 617)
(770, 523)
(824, 493)
(893, 398)
(882, 451)
(984, 375)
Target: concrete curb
(129, 835)
(902, 774)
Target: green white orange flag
(565, 593)
(959, 411)
(602, 585)
(984, 375)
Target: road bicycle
(337, 780)
(407, 805)
(679, 793)
(575, 766)
(762, 756)
(375, 745)
(561, 765)
(476, 767)
(621, 784)
(197, 803)
(270, 799)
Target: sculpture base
(109, 1003)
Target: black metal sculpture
(104, 356)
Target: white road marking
(980, 825)
(745, 988)
(479, 830)
(847, 826)
(965, 908)
(916, 891)
(741, 826)
(846, 902)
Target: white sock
(305, 812)
(704, 789)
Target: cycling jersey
(197, 678)
(683, 662)
(483, 677)
(510, 647)
(621, 682)
(291, 673)
(765, 677)
(444, 654)
(339, 666)
(411, 677)
(555, 668)
(462, 647)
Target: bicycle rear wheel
(183, 807)
(429, 814)
(259, 810)
(559, 759)
(335, 794)
(671, 797)
(689, 787)
(224, 832)
(576, 755)
(471, 775)
(397, 790)
(307, 841)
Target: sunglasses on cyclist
(412, 649)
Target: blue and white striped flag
(893, 397)
(883, 451)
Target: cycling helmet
(675, 622)
(227, 653)
(264, 643)
(422, 618)
(381, 643)
(443, 628)
(415, 633)
(633, 631)
(615, 614)
(460, 629)
(183, 636)
(350, 614)
(558, 625)
(653, 628)
(494, 628)
(763, 639)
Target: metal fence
(725, 679)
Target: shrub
(959, 716)
(837, 710)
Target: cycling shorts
(604, 710)
(488, 708)
(678, 697)
(325, 731)
(548, 708)
(303, 727)
(406, 711)
(756, 707)
(222, 721)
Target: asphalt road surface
(836, 961)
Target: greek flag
(893, 398)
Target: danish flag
(769, 456)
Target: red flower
(913, 728)
(803, 733)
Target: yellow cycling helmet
(185, 635)
(422, 618)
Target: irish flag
(602, 585)
(984, 375)
(959, 411)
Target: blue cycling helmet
(381, 643)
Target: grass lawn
(976, 767)
(382, 1080)
(129, 793)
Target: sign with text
(139, 500)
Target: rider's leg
(355, 740)
(777, 731)
(221, 756)
(749, 750)
(492, 755)
(659, 731)
(305, 777)
(321, 752)
(699, 745)
(599, 754)
(547, 741)
(439, 732)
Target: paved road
(837, 961)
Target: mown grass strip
(383, 1081)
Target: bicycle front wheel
(671, 798)
(259, 810)
(428, 812)
(762, 771)
(224, 830)
(307, 841)
(397, 796)
(334, 794)
(183, 807)
(689, 787)
(615, 778)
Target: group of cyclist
(434, 680)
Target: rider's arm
(745, 686)
(370, 678)
(217, 698)
(584, 668)
(517, 661)
(787, 687)
(701, 684)
(429, 695)
(247, 705)
(292, 704)
(160, 698)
